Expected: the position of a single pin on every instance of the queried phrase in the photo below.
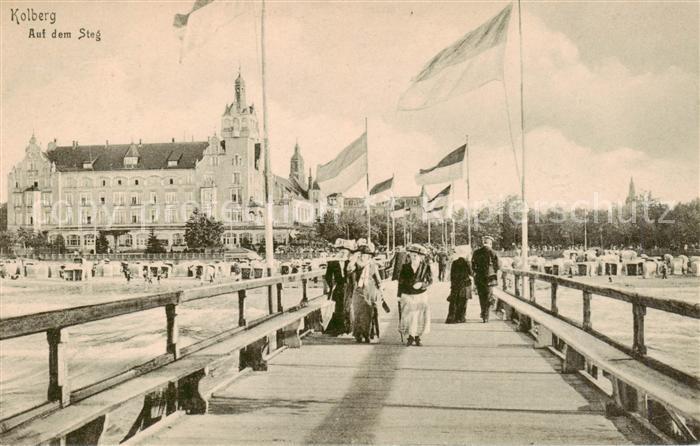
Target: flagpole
(525, 242)
(369, 220)
(393, 231)
(387, 230)
(469, 216)
(452, 213)
(269, 249)
(428, 228)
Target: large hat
(345, 244)
(417, 249)
(369, 248)
(486, 237)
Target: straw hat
(417, 249)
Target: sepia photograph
(372, 222)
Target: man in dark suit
(485, 265)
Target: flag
(340, 174)
(437, 213)
(441, 200)
(400, 212)
(424, 198)
(472, 61)
(382, 191)
(448, 169)
(205, 19)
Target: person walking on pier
(336, 279)
(485, 265)
(414, 279)
(365, 296)
(350, 281)
(442, 264)
(460, 285)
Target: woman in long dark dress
(365, 296)
(336, 278)
(460, 285)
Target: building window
(172, 163)
(178, 240)
(236, 178)
(141, 240)
(118, 198)
(102, 200)
(131, 161)
(73, 240)
(153, 215)
(236, 195)
(85, 217)
(84, 199)
(135, 199)
(228, 238)
(89, 239)
(136, 182)
(101, 216)
(153, 197)
(119, 182)
(104, 183)
(126, 240)
(120, 217)
(170, 197)
(46, 198)
(47, 217)
(171, 181)
(170, 214)
(135, 217)
(69, 199)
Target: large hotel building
(127, 190)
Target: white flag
(472, 61)
(341, 173)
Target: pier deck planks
(469, 383)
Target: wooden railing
(662, 398)
(56, 322)
(640, 303)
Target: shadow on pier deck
(469, 383)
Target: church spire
(631, 193)
(240, 92)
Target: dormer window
(130, 161)
(172, 163)
(87, 164)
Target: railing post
(280, 309)
(304, 297)
(173, 330)
(638, 312)
(587, 310)
(516, 283)
(59, 388)
(554, 307)
(270, 304)
(241, 308)
(531, 283)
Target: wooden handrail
(668, 305)
(24, 325)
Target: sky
(610, 88)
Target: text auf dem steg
(31, 16)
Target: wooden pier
(470, 383)
(530, 376)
